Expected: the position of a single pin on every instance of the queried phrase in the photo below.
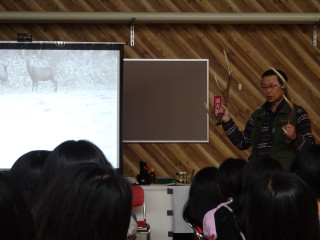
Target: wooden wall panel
(251, 50)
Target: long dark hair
(307, 166)
(26, 171)
(283, 207)
(16, 221)
(84, 202)
(228, 174)
(248, 177)
(204, 195)
(69, 153)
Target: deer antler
(286, 95)
(224, 92)
(208, 110)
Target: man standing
(269, 131)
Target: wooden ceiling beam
(159, 17)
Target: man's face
(271, 89)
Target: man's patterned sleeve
(303, 129)
(239, 139)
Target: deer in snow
(41, 74)
(4, 74)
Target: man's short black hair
(270, 72)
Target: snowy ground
(31, 121)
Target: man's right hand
(226, 115)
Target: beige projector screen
(163, 100)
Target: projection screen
(51, 92)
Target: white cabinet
(164, 206)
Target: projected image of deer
(38, 74)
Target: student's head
(69, 153)
(72, 152)
(84, 202)
(16, 222)
(250, 174)
(253, 171)
(282, 207)
(227, 176)
(204, 195)
(307, 166)
(25, 173)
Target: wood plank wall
(251, 49)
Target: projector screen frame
(59, 45)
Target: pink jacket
(209, 225)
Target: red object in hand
(216, 104)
